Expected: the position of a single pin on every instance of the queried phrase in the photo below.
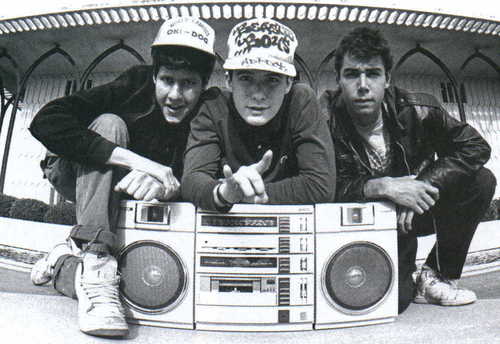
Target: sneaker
(100, 312)
(435, 289)
(43, 270)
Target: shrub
(63, 214)
(492, 211)
(28, 209)
(5, 204)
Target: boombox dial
(156, 262)
(258, 267)
(255, 268)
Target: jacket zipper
(404, 157)
(359, 158)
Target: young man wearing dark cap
(404, 147)
(127, 138)
(265, 141)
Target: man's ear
(289, 83)
(387, 79)
(228, 80)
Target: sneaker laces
(437, 277)
(448, 288)
(103, 297)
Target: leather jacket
(425, 140)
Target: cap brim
(267, 63)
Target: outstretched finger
(264, 163)
(228, 173)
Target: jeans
(91, 188)
(454, 218)
(97, 204)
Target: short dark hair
(181, 57)
(364, 44)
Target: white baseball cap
(186, 31)
(262, 44)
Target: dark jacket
(62, 124)
(303, 166)
(426, 141)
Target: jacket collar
(393, 101)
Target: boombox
(156, 262)
(356, 264)
(255, 268)
(258, 267)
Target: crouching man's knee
(485, 182)
(112, 128)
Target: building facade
(50, 50)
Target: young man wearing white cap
(125, 138)
(266, 141)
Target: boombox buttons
(258, 267)
(156, 262)
(255, 268)
(356, 264)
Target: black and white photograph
(241, 172)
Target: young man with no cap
(395, 145)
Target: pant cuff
(93, 238)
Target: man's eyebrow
(361, 69)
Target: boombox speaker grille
(153, 277)
(358, 276)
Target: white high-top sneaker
(435, 289)
(43, 270)
(100, 312)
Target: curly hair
(364, 44)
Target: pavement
(39, 315)
(30, 314)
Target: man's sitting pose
(125, 138)
(266, 141)
(404, 147)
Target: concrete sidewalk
(34, 315)
(52, 319)
(38, 315)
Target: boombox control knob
(303, 224)
(303, 264)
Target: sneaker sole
(422, 300)
(111, 333)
